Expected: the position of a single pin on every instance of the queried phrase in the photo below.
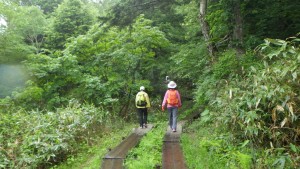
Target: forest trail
(172, 156)
(114, 159)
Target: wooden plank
(114, 159)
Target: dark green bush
(36, 138)
(262, 105)
(227, 65)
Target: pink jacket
(166, 97)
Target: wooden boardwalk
(172, 156)
(115, 158)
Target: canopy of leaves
(70, 19)
(93, 66)
(23, 33)
(46, 6)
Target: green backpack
(141, 100)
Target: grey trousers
(173, 117)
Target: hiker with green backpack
(142, 103)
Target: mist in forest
(12, 77)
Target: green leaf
(293, 148)
(245, 143)
(294, 76)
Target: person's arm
(179, 99)
(165, 99)
(136, 101)
(148, 101)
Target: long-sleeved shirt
(166, 97)
(146, 97)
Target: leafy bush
(205, 146)
(34, 139)
(88, 157)
(227, 65)
(30, 97)
(262, 105)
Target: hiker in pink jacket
(173, 101)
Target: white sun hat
(142, 88)
(172, 85)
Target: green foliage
(218, 18)
(206, 86)
(281, 25)
(20, 27)
(32, 27)
(47, 6)
(262, 105)
(148, 152)
(227, 64)
(88, 156)
(53, 75)
(275, 158)
(257, 98)
(190, 24)
(256, 21)
(205, 146)
(163, 14)
(70, 19)
(189, 62)
(93, 66)
(206, 117)
(29, 97)
(189, 55)
(33, 139)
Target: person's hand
(163, 108)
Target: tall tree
(70, 19)
(271, 18)
(46, 6)
(237, 34)
(22, 35)
(205, 28)
(33, 27)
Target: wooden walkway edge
(115, 158)
(172, 156)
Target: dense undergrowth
(206, 147)
(35, 139)
(90, 157)
(258, 106)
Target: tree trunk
(205, 28)
(238, 30)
